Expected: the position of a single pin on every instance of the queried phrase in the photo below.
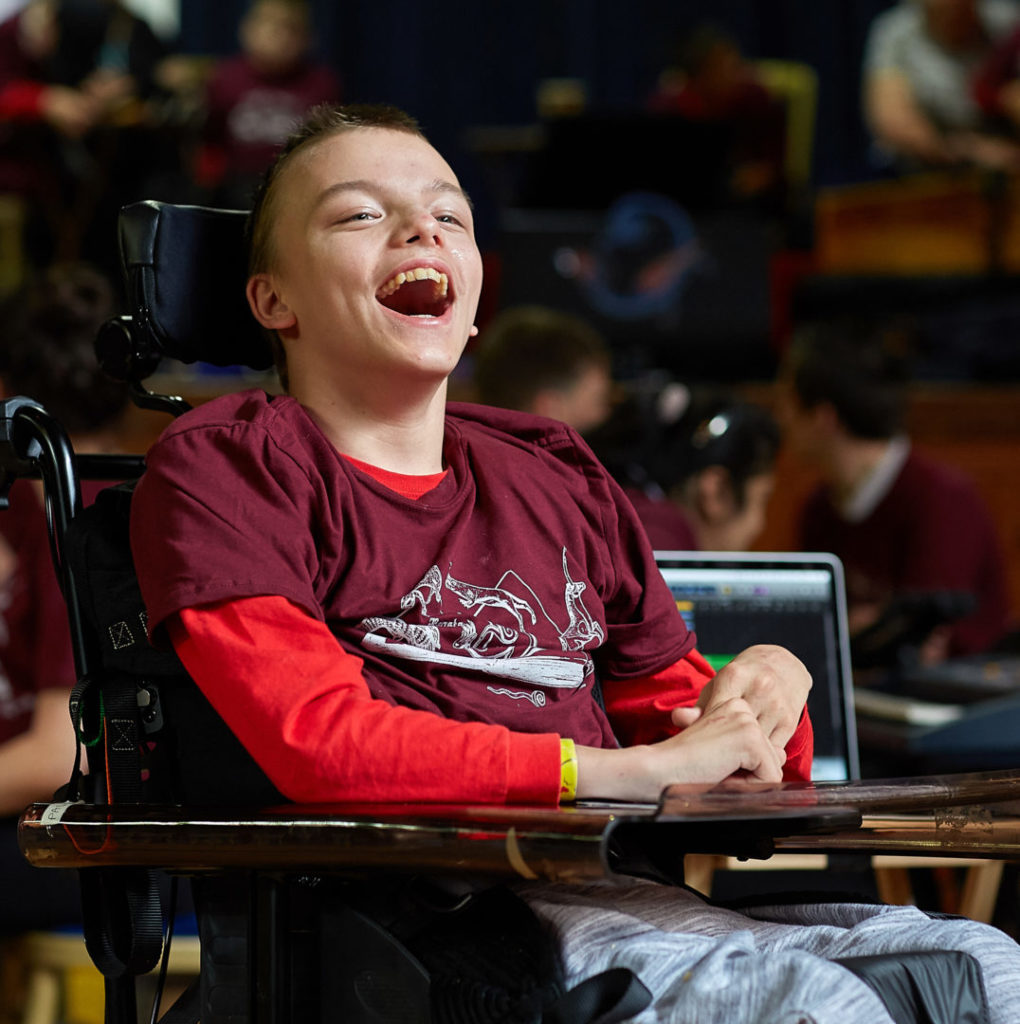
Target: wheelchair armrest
(570, 844)
(489, 842)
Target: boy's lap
(702, 963)
(772, 966)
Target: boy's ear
(267, 305)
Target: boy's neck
(400, 435)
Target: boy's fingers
(684, 717)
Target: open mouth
(421, 292)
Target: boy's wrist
(623, 773)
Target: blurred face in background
(275, 35)
(722, 519)
(584, 404)
(805, 430)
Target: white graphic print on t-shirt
(495, 630)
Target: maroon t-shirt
(931, 531)
(496, 597)
(250, 114)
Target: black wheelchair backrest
(185, 269)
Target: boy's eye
(361, 215)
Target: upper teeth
(416, 274)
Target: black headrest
(186, 268)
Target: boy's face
(376, 273)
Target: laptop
(797, 600)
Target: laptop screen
(733, 600)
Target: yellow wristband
(568, 770)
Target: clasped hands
(739, 727)
(765, 685)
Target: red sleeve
(998, 70)
(20, 100)
(639, 710)
(299, 704)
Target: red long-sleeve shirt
(300, 705)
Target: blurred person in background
(47, 355)
(79, 98)
(254, 99)
(710, 80)
(997, 83)
(901, 522)
(699, 469)
(539, 360)
(920, 60)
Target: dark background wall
(467, 63)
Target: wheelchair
(287, 930)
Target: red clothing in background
(21, 77)
(35, 641)
(249, 114)
(931, 531)
(1001, 68)
(22, 169)
(35, 644)
(667, 527)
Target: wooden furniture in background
(965, 222)
(976, 898)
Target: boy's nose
(432, 237)
(424, 227)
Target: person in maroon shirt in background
(253, 100)
(27, 39)
(81, 123)
(556, 364)
(47, 355)
(901, 522)
(37, 117)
